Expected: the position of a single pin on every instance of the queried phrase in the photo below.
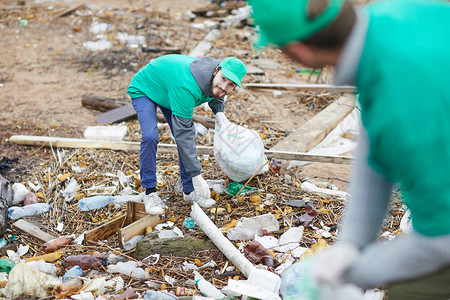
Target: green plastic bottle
(235, 187)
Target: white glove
(333, 263)
(201, 186)
(221, 120)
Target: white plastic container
(128, 268)
(105, 133)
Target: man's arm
(184, 134)
(369, 200)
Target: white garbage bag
(239, 151)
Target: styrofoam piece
(373, 295)
(221, 242)
(267, 280)
(241, 287)
(105, 133)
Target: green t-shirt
(405, 104)
(169, 82)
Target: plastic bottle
(242, 233)
(44, 267)
(58, 243)
(189, 223)
(75, 271)
(6, 265)
(30, 198)
(159, 295)
(207, 288)
(16, 212)
(297, 282)
(3, 243)
(128, 268)
(256, 253)
(131, 243)
(68, 288)
(86, 262)
(235, 187)
(95, 202)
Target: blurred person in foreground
(176, 84)
(397, 54)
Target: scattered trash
(105, 133)
(30, 198)
(189, 223)
(97, 45)
(68, 288)
(256, 253)
(54, 245)
(206, 287)
(308, 217)
(94, 202)
(86, 261)
(73, 272)
(129, 268)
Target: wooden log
(166, 50)
(120, 110)
(304, 87)
(162, 148)
(32, 230)
(178, 246)
(100, 103)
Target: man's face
(221, 85)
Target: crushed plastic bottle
(71, 287)
(85, 262)
(75, 271)
(159, 295)
(94, 202)
(207, 288)
(6, 265)
(16, 212)
(44, 267)
(256, 253)
(131, 243)
(129, 268)
(235, 187)
(308, 217)
(56, 244)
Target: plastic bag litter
(239, 151)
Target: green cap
(233, 69)
(282, 22)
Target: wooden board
(138, 227)
(104, 231)
(305, 87)
(33, 230)
(316, 129)
(162, 148)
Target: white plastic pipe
(221, 242)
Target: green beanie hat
(285, 21)
(233, 69)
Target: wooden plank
(315, 130)
(204, 46)
(33, 230)
(104, 231)
(163, 148)
(116, 115)
(304, 87)
(138, 227)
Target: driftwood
(6, 197)
(178, 246)
(106, 104)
